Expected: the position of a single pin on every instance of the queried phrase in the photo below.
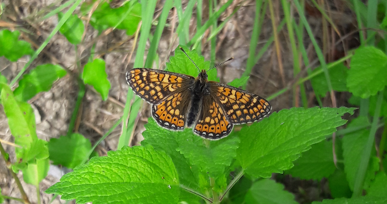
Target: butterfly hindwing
(212, 122)
(156, 85)
(171, 112)
(240, 107)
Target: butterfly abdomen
(194, 110)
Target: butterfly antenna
(189, 58)
(217, 65)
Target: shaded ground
(53, 109)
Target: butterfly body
(210, 108)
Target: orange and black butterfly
(180, 100)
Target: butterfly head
(202, 77)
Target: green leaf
(338, 185)
(238, 82)
(130, 175)
(272, 145)
(95, 75)
(105, 17)
(69, 151)
(1, 197)
(38, 80)
(180, 63)
(238, 192)
(72, 29)
(368, 72)
(357, 200)
(378, 187)
(267, 191)
(3, 79)
(186, 197)
(11, 47)
(37, 151)
(211, 157)
(21, 120)
(36, 172)
(338, 76)
(353, 145)
(165, 140)
(316, 164)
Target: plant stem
(38, 194)
(215, 197)
(196, 193)
(232, 183)
(8, 163)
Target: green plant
(172, 167)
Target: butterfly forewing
(155, 86)
(240, 107)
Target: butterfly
(180, 101)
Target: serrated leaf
(105, 17)
(72, 29)
(38, 80)
(338, 185)
(211, 157)
(353, 145)
(36, 172)
(368, 72)
(316, 163)
(338, 76)
(21, 120)
(180, 63)
(378, 187)
(162, 139)
(272, 145)
(356, 200)
(130, 175)
(238, 82)
(69, 151)
(267, 191)
(11, 47)
(95, 75)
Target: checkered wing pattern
(240, 107)
(171, 112)
(154, 86)
(212, 122)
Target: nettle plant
(173, 166)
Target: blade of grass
(372, 20)
(359, 22)
(57, 10)
(263, 50)
(101, 139)
(214, 25)
(221, 26)
(159, 30)
(147, 17)
(200, 32)
(301, 47)
(78, 103)
(296, 63)
(184, 20)
(44, 44)
(277, 43)
(365, 158)
(254, 39)
(199, 15)
(319, 53)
